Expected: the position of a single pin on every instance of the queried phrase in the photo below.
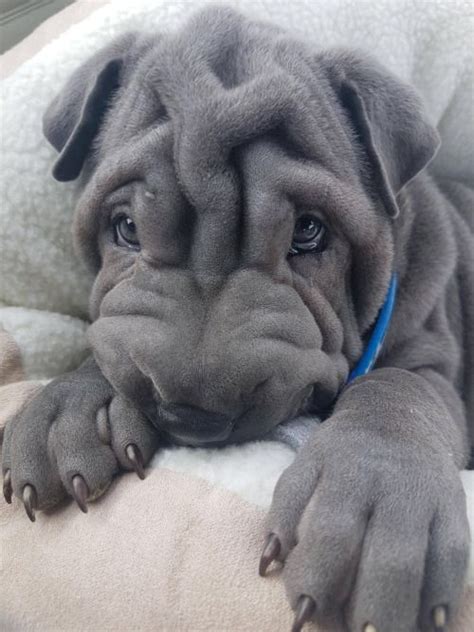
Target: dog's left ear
(73, 119)
(389, 119)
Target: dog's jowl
(248, 205)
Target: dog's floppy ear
(73, 119)
(389, 120)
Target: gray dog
(249, 205)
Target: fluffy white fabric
(426, 43)
(50, 343)
(250, 470)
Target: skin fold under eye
(125, 232)
(309, 235)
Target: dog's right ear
(388, 117)
(73, 119)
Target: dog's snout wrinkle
(278, 327)
(223, 360)
(143, 303)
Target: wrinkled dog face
(240, 248)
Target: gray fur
(214, 139)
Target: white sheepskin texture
(468, 482)
(250, 470)
(49, 343)
(43, 288)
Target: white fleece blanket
(43, 289)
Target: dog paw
(71, 439)
(376, 536)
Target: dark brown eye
(309, 235)
(126, 232)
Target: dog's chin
(231, 433)
(189, 439)
(186, 426)
(215, 442)
(194, 442)
(249, 427)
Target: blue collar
(374, 346)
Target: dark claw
(80, 492)
(7, 486)
(440, 617)
(304, 611)
(271, 551)
(136, 460)
(30, 501)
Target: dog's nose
(194, 426)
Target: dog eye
(309, 235)
(126, 232)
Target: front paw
(371, 529)
(72, 438)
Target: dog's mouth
(188, 425)
(202, 415)
(191, 426)
(185, 440)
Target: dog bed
(180, 550)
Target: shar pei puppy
(258, 214)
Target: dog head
(239, 192)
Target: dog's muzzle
(214, 367)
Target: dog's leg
(371, 515)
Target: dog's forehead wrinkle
(142, 159)
(137, 111)
(178, 88)
(223, 34)
(208, 119)
(276, 91)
